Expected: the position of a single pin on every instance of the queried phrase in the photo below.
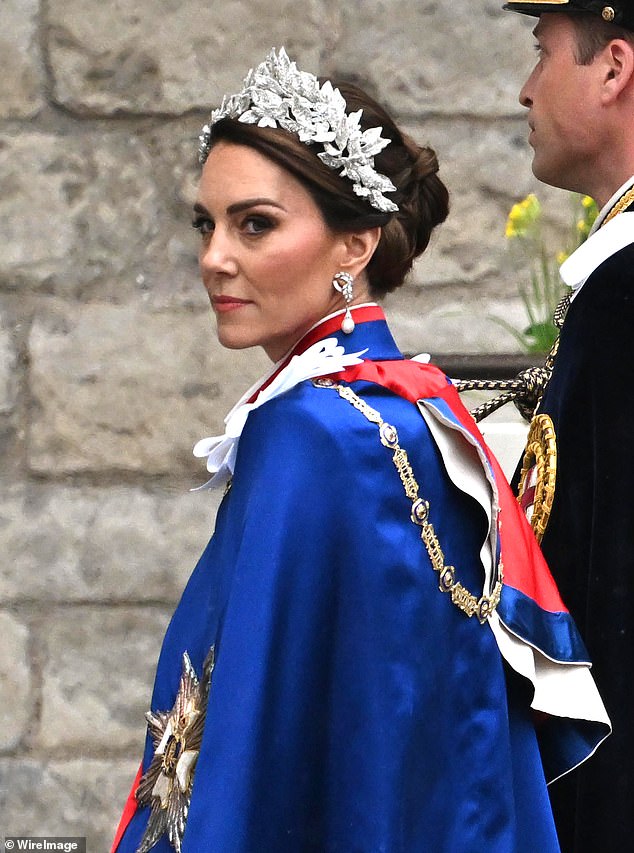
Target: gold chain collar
(481, 607)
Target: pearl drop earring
(342, 283)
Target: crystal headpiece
(277, 94)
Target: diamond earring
(342, 283)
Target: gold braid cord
(540, 457)
(525, 391)
(528, 387)
(481, 607)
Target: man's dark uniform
(589, 539)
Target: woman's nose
(217, 254)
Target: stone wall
(109, 370)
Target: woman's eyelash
(257, 223)
(200, 222)
(252, 224)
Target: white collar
(601, 245)
(603, 242)
(321, 359)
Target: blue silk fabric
(353, 708)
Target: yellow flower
(510, 231)
(545, 288)
(523, 217)
(590, 213)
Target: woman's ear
(358, 248)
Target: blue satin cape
(353, 707)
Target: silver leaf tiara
(277, 94)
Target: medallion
(539, 470)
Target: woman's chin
(235, 338)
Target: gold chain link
(481, 607)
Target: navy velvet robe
(589, 541)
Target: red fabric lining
(128, 811)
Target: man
(580, 101)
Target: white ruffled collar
(320, 359)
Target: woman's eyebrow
(239, 206)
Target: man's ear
(358, 248)
(617, 62)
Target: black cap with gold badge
(620, 12)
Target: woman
(316, 690)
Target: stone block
(21, 81)
(8, 372)
(76, 211)
(118, 388)
(168, 56)
(98, 672)
(425, 58)
(486, 169)
(117, 207)
(455, 322)
(108, 544)
(470, 272)
(82, 797)
(16, 700)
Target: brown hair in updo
(421, 196)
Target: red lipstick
(228, 303)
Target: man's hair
(593, 34)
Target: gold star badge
(166, 785)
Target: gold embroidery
(625, 201)
(540, 461)
(467, 602)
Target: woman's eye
(203, 225)
(256, 224)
